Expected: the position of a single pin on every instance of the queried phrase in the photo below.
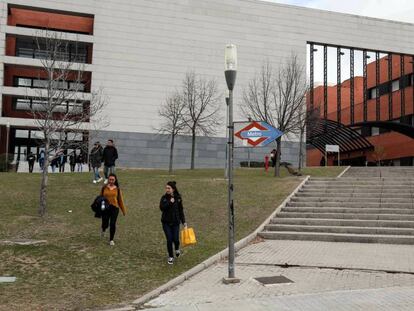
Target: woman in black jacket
(171, 206)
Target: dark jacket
(110, 154)
(96, 206)
(80, 158)
(95, 157)
(172, 213)
(31, 158)
(72, 159)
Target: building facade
(389, 98)
(138, 53)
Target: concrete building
(139, 51)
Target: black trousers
(72, 167)
(31, 164)
(62, 168)
(109, 220)
(172, 234)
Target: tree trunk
(44, 182)
(193, 142)
(300, 150)
(278, 153)
(171, 153)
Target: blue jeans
(109, 170)
(96, 173)
(172, 233)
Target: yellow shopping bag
(187, 237)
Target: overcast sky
(400, 10)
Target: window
(395, 85)
(43, 84)
(372, 93)
(22, 134)
(68, 51)
(375, 131)
(22, 104)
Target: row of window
(375, 131)
(68, 51)
(43, 83)
(36, 105)
(33, 134)
(391, 86)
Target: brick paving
(356, 279)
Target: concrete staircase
(370, 205)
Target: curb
(215, 258)
(344, 171)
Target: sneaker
(112, 243)
(170, 260)
(177, 253)
(100, 179)
(94, 181)
(106, 181)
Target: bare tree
(201, 98)
(172, 112)
(277, 97)
(59, 107)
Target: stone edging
(344, 171)
(215, 258)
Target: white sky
(399, 10)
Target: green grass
(78, 270)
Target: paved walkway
(326, 276)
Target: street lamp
(230, 71)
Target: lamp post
(7, 146)
(227, 135)
(230, 70)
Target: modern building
(388, 102)
(139, 51)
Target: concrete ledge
(215, 258)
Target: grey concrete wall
(141, 150)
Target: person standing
(54, 163)
(72, 161)
(113, 194)
(41, 159)
(110, 155)
(171, 206)
(62, 161)
(79, 161)
(31, 158)
(273, 157)
(95, 160)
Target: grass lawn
(76, 269)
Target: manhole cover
(270, 280)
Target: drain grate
(271, 280)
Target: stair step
(346, 216)
(337, 237)
(351, 210)
(310, 194)
(341, 229)
(351, 204)
(311, 200)
(344, 222)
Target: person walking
(95, 160)
(171, 206)
(110, 155)
(113, 194)
(31, 158)
(79, 161)
(41, 159)
(273, 157)
(72, 161)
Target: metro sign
(257, 134)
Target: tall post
(377, 87)
(402, 84)
(365, 73)
(230, 74)
(390, 106)
(352, 73)
(226, 175)
(311, 74)
(339, 53)
(325, 82)
(7, 147)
